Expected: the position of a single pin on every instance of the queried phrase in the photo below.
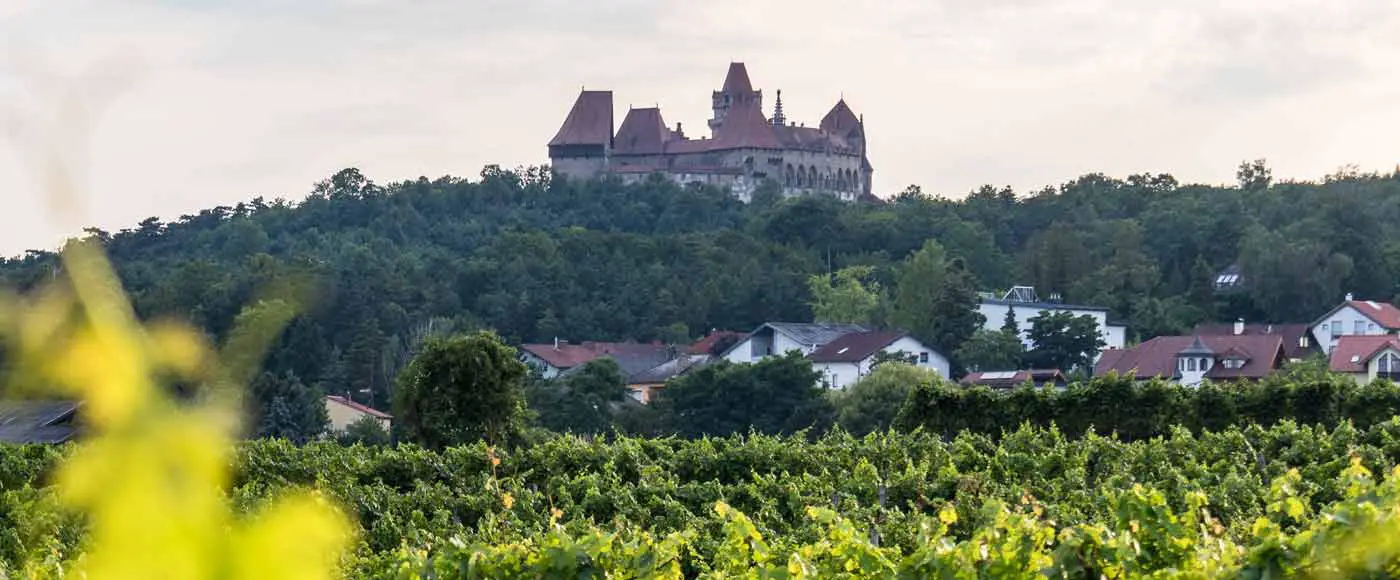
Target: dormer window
(1232, 363)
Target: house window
(1303, 341)
(923, 358)
(1360, 327)
(1336, 328)
(1191, 364)
(1388, 363)
(1371, 327)
(1204, 365)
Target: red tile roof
(854, 347)
(1384, 313)
(376, 413)
(567, 356)
(841, 120)
(745, 128)
(643, 132)
(1360, 349)
(1291, 334)
(590, 121)
(1157, 357)
(737, 79)
(705, 345)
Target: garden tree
(1009, 324)
(872, 403)
(586, 401)
(776, 395)
(284, 408)
(364, 431)
(936, 299)
(1064, 341)
(991, 350)
(852, 295)
(461, 389)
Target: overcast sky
(223, 101)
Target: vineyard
(1261, 502)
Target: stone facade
(744, 148)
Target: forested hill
(535, 260)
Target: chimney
(1239, 326)
(1349, 297)
(556, 343)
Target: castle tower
(737, 90)
(779, 119)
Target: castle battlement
(744, 148)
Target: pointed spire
(778, 118)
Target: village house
(1023, 304)
(778, 338)
(1366, 357)
(345, 412)
(553, 360)
(849, 358)
(643, 386)
(1298, 341)
(1190, 360)
(1356, 318)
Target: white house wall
(995, 314)
(1348, 316)
(844, 374)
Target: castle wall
(578, 167)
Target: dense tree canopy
(372, 266)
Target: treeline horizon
(379, 268)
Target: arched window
(1389, 363)
(801, 176)
(812, 181)
(1191, 364)
(788, 177)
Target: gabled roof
(590, 121)
(670, 369)
(705, 345)
(38, 421)
(737, 79)
(632, 357)
(854, 347)
(643, 132)
(366, 409)
(1157, 357)
(745, 128)
(840, 120)
(1292, 335)
(814, 333)
(1385, 314)
(1353, 352)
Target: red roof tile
(737, 79)
(1157, 357)
(376, 413)
(590, 121)
(567, 356)
(854, 347)
(1010, 379)
(705, 345)
(1291, 334)
(841, 120)
(643, 132)
(1352, 352)
(745, 128)
(1384, 313)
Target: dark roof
(814, 333)
(643, 132)
(38, 421)
(371, 411)
(1353, 352)
(634, 355)
(1157, 357)
(1292, 335)
(736, 80)
(840, 120)
(590, 121)
(1010, 379)
(1197, 347)
(745, 128)
(670, 369)
(854, 347)
(812, 139)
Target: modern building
(1356, 318)
(1023, 304)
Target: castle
(744, 147)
